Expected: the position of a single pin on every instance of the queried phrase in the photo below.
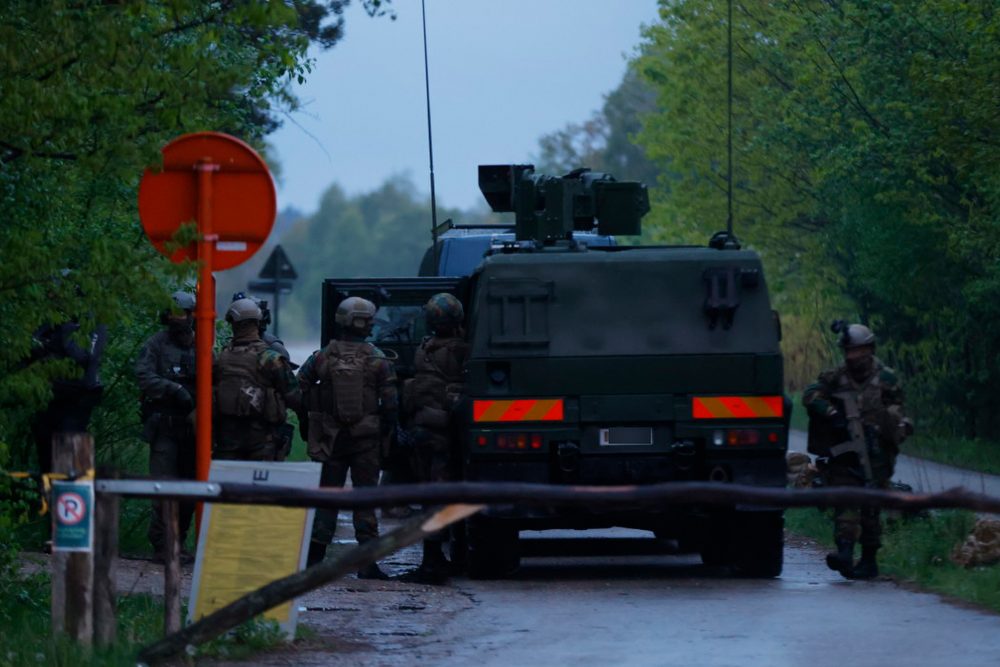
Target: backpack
(241, 389)
(350, 394)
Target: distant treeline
(382, 233)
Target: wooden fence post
(105, 565)
(172, 568)
(73, 572)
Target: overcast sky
(502, 74)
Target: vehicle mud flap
(758, 543)
(493, 550)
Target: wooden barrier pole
(290, 587)
(105, 565)
(73, 572)
(171, 568)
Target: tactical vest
(347, 382)
(822, 435)
(242, 388)
(438, 381)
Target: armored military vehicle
(606, 365)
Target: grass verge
(26, 639)
(979, 455)
(916, 551)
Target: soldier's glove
(182, 397)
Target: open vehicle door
(399, 322)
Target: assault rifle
(858, 442)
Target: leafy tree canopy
(90, 93)
(865, 138)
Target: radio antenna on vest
(430, 141)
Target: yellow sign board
(244, 547)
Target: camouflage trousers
(363, 463)
(246, 440)
(171, 454)
(431, 458)
(432, 462)
(854, 524)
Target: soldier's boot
(372, 571)
(867, 567)
(843, 560)
(434, 567)
(317, 552)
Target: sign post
(224, 186)
(275, 278)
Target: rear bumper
(766, 469)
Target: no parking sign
(73, 516)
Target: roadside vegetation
(916, 551)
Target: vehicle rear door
(399, 322)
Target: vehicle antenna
(430, 141)
(729, 132)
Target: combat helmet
(443, 310)
(853, 335)
(243, 309)
(182, 306)
(183, 300)
(355, 313)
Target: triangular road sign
(278, 266)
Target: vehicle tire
(760, 544)
(492, 548)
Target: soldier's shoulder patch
(270, 357)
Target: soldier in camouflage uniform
(429, 400)
(876, 391)
(349, 391)
(253, 387)
(269, 338)
(165, 373)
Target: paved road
(926, 476)
(639, 610)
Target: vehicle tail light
(741, 437)
(482, 440)
(536, 440)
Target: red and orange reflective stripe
(737, 407)
(518, 410)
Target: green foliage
(863, 138)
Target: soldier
(349, 390)
(429, 400)
(165, 372)
(856, 425)
(73, 398)
(254, 385)
(269, 338)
